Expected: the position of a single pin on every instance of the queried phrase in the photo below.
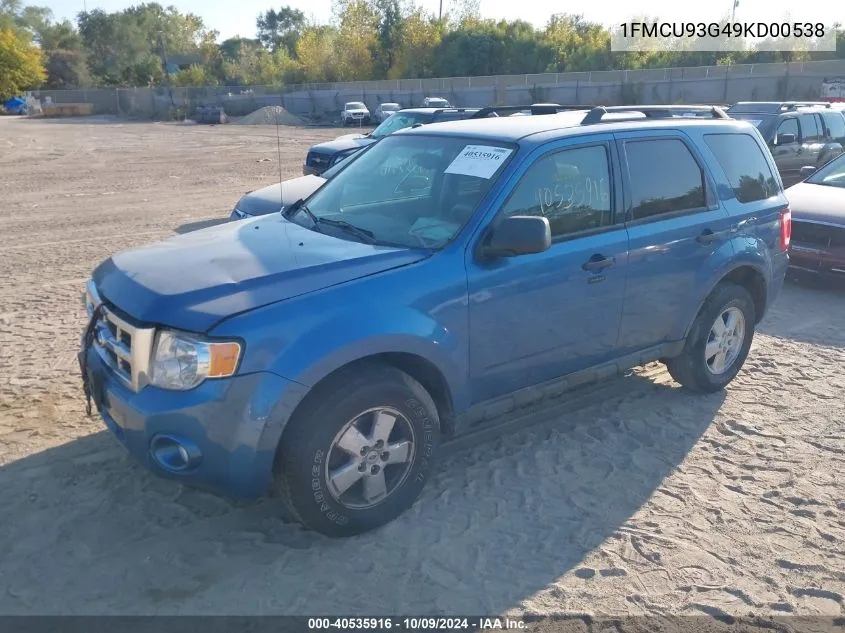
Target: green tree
(21, 64)
(357, 42)
(281, 29)
(66, 69)
(315, 51)
(193, 75)
(419, 40)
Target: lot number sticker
(481, 161)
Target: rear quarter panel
(755, 233)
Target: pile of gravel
(269, 115)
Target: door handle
(597, 263)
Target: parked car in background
(384, 110)
(818, 221)
(447, 273)
(436, 102)
(355, 113)
(276, 197)
(323, 155)
(797, 133)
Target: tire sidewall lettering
(319, 496)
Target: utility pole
(733, 9)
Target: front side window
(788, 126)
(407, 190)
(745, 166)
(571, 188)
(665, 178)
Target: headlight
(182, 361)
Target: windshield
(438, 102)
(408, 190)
(389, 107)
(398, 121)
(832, 174)
(355, 105)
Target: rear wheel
(718, 342)
(359, 452)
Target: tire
(310, 450)
(699, 374)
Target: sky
(238, 18)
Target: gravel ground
(636, 499)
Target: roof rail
(534, 108)
(794, 105)
(774, 107)
(596, 115)
(439, 110)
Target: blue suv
(451, 272)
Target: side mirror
(807, 171)
(519, 235)
(784, 139)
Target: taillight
(785, 228)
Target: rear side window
(809, 128)
(745, 166)
(665, 178)
(835, 124)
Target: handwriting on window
(590, 193)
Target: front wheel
(718, 342)
(359, 452)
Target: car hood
(193, 281)
(817, 203)
(271, 199)
(343, 143)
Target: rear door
(812, 140)
(675, 223)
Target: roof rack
(775, 106)
(596, 115)
(439, 110)
(534, 108)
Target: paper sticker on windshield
(481, 161)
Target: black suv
(798, 133)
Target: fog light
(174, 453)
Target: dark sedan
(818, 221)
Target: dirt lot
(641, 500)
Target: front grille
(316, 159)
(817, 235)
(122, 346)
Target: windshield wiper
(357, 231)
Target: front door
(533, 318)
